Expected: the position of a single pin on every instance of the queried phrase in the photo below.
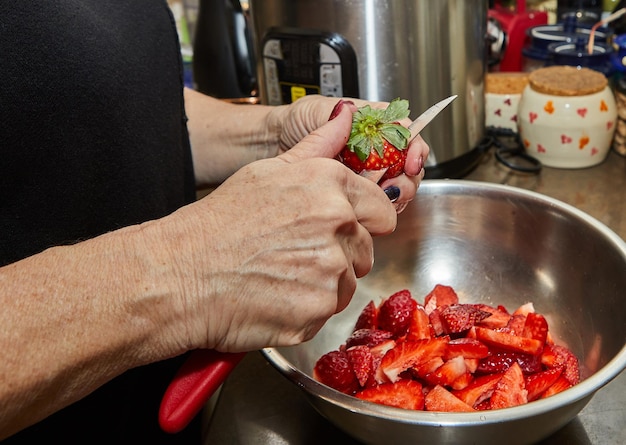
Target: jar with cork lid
(567, 116)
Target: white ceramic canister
(567, 116)
(503, 91)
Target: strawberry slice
(515, 326)
(368, 318)
(538, 383)
(440, 399)
(368, 337)
(499, 317)
(334, 369)
(559, 386)
(377, 140)
(396, 312)
(500, 361)
(362, 364)
(440, 295)
(479, 389)
(419, 327)
(404, 393)
(447, 373)
(560, 356)
(510, 389)
(509, 342)
(436, 322)
(535, 327)
(457, 318)
(422, 370)
(468, 348)
(408, 354)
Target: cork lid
(567, 81)
(506, 82)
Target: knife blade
(415, 128)
(427, 116)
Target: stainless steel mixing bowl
(495, 244)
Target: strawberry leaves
(370, 127)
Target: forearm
(73, 318)
(224, 136)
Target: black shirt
(92, 138)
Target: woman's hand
(309, 112)
(271, 254)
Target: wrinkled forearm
(225, 136)
(76, 316)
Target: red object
(196, 381)
(514, 23)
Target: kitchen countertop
(257, 405)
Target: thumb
(328, 140)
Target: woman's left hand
(310, 112)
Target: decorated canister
(503, 91)
(567, 116)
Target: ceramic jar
(503, 91)
(567, 116)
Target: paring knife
(416, 126)
(205, 369)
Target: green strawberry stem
(370, 126)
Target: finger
(416, 156)
(327, 141)
(371, 205)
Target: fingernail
(393, 193)
(338, 108)
(420, 164)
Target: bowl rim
(580, 391)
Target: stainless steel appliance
(420, 50)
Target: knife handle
(192, 386)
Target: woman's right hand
(271, 254)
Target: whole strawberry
(377, 140)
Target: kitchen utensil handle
(192, 386)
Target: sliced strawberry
(368, 318)
(395, 313)
(499, 317)
(500, 361)
(447, 373)
(462, 381)
(440, 399)
(468, 348)
(472, 364)
(436, 322)
(457, 318)
(421, 371)
(538, 383)
(334, 369)
(379, 351)
(535, 327)
(560, 385)
(510, 389)
(525, 309)
(362, 363)
(368, 337)
(419, 327)
(408, 354)
(440, 295)
(560, 356)
(515, 326)
(509, 342)
(479, 389)
(404, 393)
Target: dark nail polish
(338, 109)
(393, 193)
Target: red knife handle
(192, 386)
